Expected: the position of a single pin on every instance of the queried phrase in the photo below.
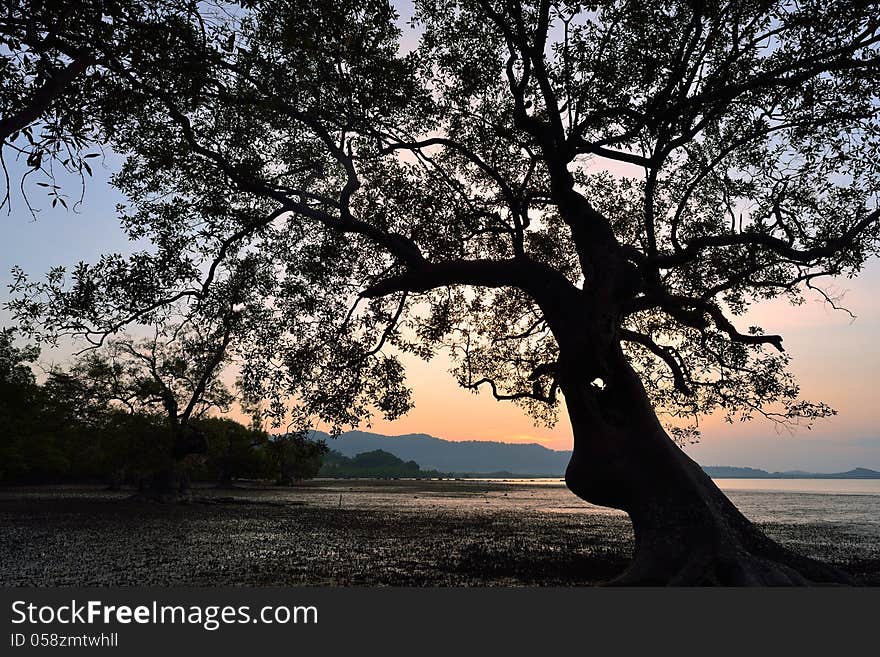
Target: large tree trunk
(687, 532)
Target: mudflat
(351, 533)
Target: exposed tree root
(767, 564)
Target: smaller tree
(175, 373)
(128, 446)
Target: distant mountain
(518, 459)
(729, 472)
(470, 456)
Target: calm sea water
(817, 486)
(851, 502)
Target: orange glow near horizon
(835, 358)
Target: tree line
(98, 421)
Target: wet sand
(349, 533)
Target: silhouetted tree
(570, 198)
(174, 373)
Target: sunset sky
(836, 358)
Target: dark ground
(402, 533)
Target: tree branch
(774, 244)
(663, 353)
(44, 96)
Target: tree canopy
(519, 183)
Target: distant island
(375, 464)
(434, 456)
(730, 472)
(379, 464)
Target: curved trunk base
(688, 533)
(170, 482)
(737, 563)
